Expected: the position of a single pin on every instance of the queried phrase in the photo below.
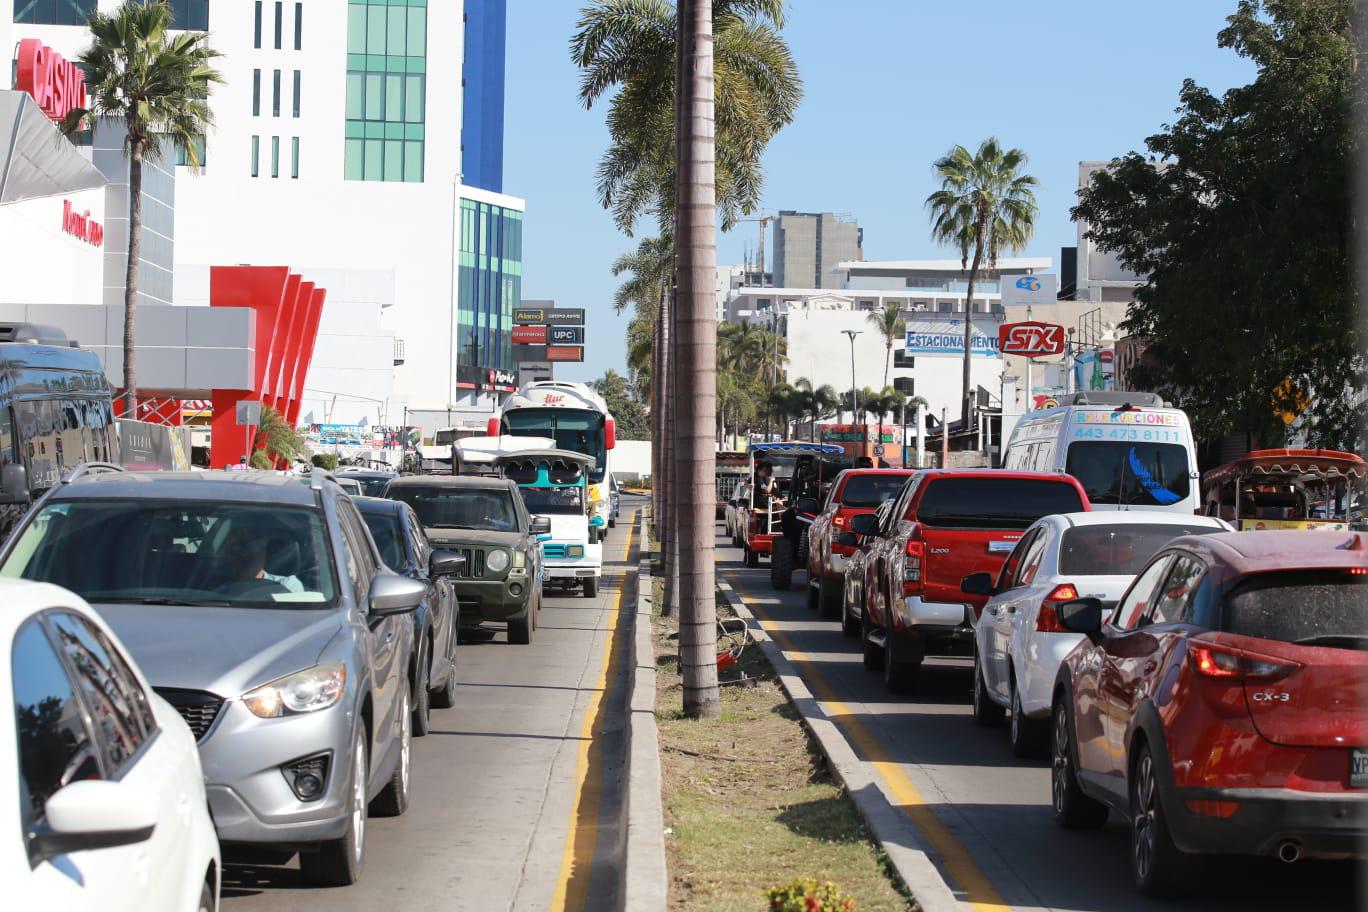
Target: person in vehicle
(246, 553)
(765, 490)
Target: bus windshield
(1131, 474)
(578, 430)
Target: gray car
(258, 606)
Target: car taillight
(1210, 662)
(1047, 619)
(912, 568)
(838, 521)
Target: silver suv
(257, 605)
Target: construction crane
(764, 221)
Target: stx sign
(1031, 339)
(57, 84)
(81, 225)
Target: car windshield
(1133, 474)
(373, 486)
(489, 510)
(1120, 549)
(553, 500)
(385, 529)
(871, 490)
(189, 552)
(982, 502)
(1314, 608)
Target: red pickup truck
(945, 525)
(855, 491)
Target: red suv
(1221, 706)
(855, 491)
(946, 524)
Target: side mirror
(807, 505)
(541, 525)
(978, 584)
(1081, 616)
(446, 563)
(14, 486)
(848, 539)
(394, 594)
(864, 524)
(93, 814)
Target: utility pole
(854, 390)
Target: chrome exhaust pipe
(1289, 852)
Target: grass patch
(749, 801)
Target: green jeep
(485, 519)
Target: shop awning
(36, 160)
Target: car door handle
(1150, 666)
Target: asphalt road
(516, 790)
(987, 814)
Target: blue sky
(889, 85)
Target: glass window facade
(490, 284)
(386, 89)
(53, 12)
(192, 15)
(482, 94)
(183, 158)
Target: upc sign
(1031, 339)
(57, 84)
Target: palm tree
(630, 45)
(985, 206)
(889, 324)
(785, 403)
(651, 268)
(818, 403)
(157, 84)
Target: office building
(808, 246)
(482, 109)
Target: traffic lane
(494, 783)
(996, 807)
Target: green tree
(815, 402)
(277, 439)
(157, 85)
(627, 47)
(1239, 217)
(626, 409)
(889, 324)
(985, 206)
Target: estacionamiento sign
(945, 338)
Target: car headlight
(304, 691)
(497, 561)
(575, 551)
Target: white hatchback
(112, 813)
(1019, 643)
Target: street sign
(564, 353)
(1031, 339)
(529, 335)
(566, 335)
(248, 413)
(878, 449)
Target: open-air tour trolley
(1319, 490)
(776, 524)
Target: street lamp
(854, 392)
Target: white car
(112, 813)
(1018, 642)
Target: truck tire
(752, 558)
(830, 598)
(781, 564)
(590, 587)
(902, 662)
(801, 558)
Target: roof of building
(946, 265)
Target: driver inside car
(246, 555)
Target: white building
(1101, 277)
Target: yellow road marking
(572, 885)
(958, 864)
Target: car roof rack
(90, 468)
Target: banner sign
(945, 338)
(145, 447)
(378, 437)
(564, 353)
(486, 378)
(1028, 290)
(848, 433)
(529, 335)
(566, 335)
(1031, 339)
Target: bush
(260, 460)
(809, 895)
(326, 461)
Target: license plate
(1358, 767)
(584, 573)
(1001, 547)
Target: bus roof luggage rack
(35, 333)
(1100, 397)
(90, 468)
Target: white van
(1128, 450)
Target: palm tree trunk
(657, 416)
(888, 359)
(667, 468)
(969, 329)
(697, 358)
(130, 336)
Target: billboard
(564, 353)
(529, 335)
(945, 338)
(566, 335)
(564, 316)
(1031, 339)
(1028, 290)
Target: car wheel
(829, 599)
(1027, 734)
(813, 594)
(752, 558)
(444, 697)
(1159, 867)
(338, 863)
(986, 712)
(781, 565)
(1073, 810)
(393, 799)
(801, 552)
(900, 671)
(850, 625)
(590, 587)
(206, 900)
(872, 653)
(422, 701)
(520, 629)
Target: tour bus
(1128, 450)
(578, 420)
(56, 412)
